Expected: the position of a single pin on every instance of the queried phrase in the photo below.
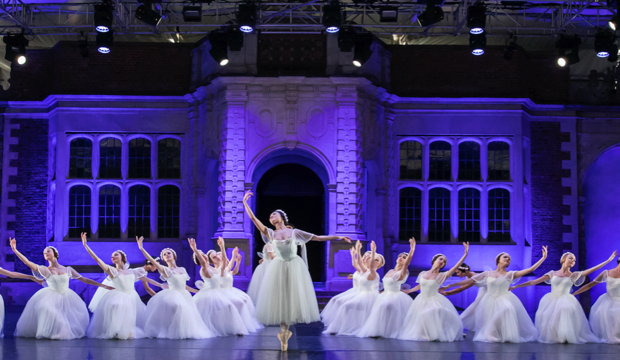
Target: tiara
(51, 247)
(500, 254)
(122, 252)
(564, 255)
(439, 254)
(283, 214)
(463, 267)
(161, 254)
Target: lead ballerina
(287, 294)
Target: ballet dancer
(468, 316)
(259, 273)
(14, 275)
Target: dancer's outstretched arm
(157, 265)
(458, 290)
(17, 275)
(456, 284)
(593, 269)
(191, 289)
(238, 260)
(94, 283)
(201, 260)
(456, 266)
(522, 273)
(408, 259)
(102, 265)
(147, 287)
(21, 257)
(330, 237)
(259, 225)
(590, 285)
(413, 289)
(531, 282)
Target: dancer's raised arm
(201, 260)
(259, 225)
(102, 265)
(451, 271)
(522, 273)
(593, 269)
(157, 265)
(233, 257)
(373, 265)
(408, 259)
(21, 257)
(237, 264)
(360, 264)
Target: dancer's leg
(284, 335)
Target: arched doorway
(300, 192)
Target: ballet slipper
(283, 336)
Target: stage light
(332, 18)
(15, 48)
(477, 43)
(104, 17)
(476, 18)
(105, 41)
(147, 15)
(604, 42)
(362, 51)
(219, 47)
(568, 50)
(234, 38)
(389, 14)
(192, 13)
(346, 39)
(246, 17)
(431, 15)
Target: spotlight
(476, 18)
(332, 18)
(147, 15)
(568, 50)
(219, 48)
(16, 48)
(388, 14)
(104, 17)
(104, 41)
(246, 17)
(477, 43)
(604, 42)
(432, 15)
(346, 39)
(192, 13)
(234, 38)
(613, 23)
(362, 51)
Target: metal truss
(534, 18)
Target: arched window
(469, 160)
(410, 213)
(439, 215)
(410, 160)
(79, 211)
(499, 160)
(140, 159)
(168, 204)
(109, 212)
(439, 161)
(469, 215)
(81, 158)
(110, 158)
(499, 216)
(139, 211)
(169, 159)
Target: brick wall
(452, 71)
(129, 69)
(31, 188)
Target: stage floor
(307, 343)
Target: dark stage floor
(307, 343)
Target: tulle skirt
(605, 319)
(432, 318)
(287, 294)
(172, 314)
(503, 319)
(244, 306)
(387, 316)
(468, 316)
(219, 314)
(334, 305)
(352, 314)
(1, 316)
(560, 319)
(52, 315)
(118, 315)
(257, 279)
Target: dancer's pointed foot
(283, 336)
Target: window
(80, 158)
(169, 159)
(439, 161)
(168, 201)
(109, 212)
(499, 216)
(439, 215)
(410, 216)
(469, 215)
(139, 211)
(411, 160)
(110, 158)
(499, 160)
(79, 211)
(469, 161)
(139, 159)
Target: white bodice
(214, 282)
(613, 288)
(561, 285)
(364, 285)
(356, 279)
(227, 280)
(429, 287)
(391, 284)
(176, 278)
(496, 284)
(124, 282)
(286, 250)
(58, 283)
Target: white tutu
(287, 293)
(432, 317)
(259, 272)
(242, 301)
(468, 316)
(388, 313)
(172, 314)
(500, 316)
(605, 314)
(120, 314)
(55, 312)
(353, 312)
(99, 294)
(334, 305)
(1, 316)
